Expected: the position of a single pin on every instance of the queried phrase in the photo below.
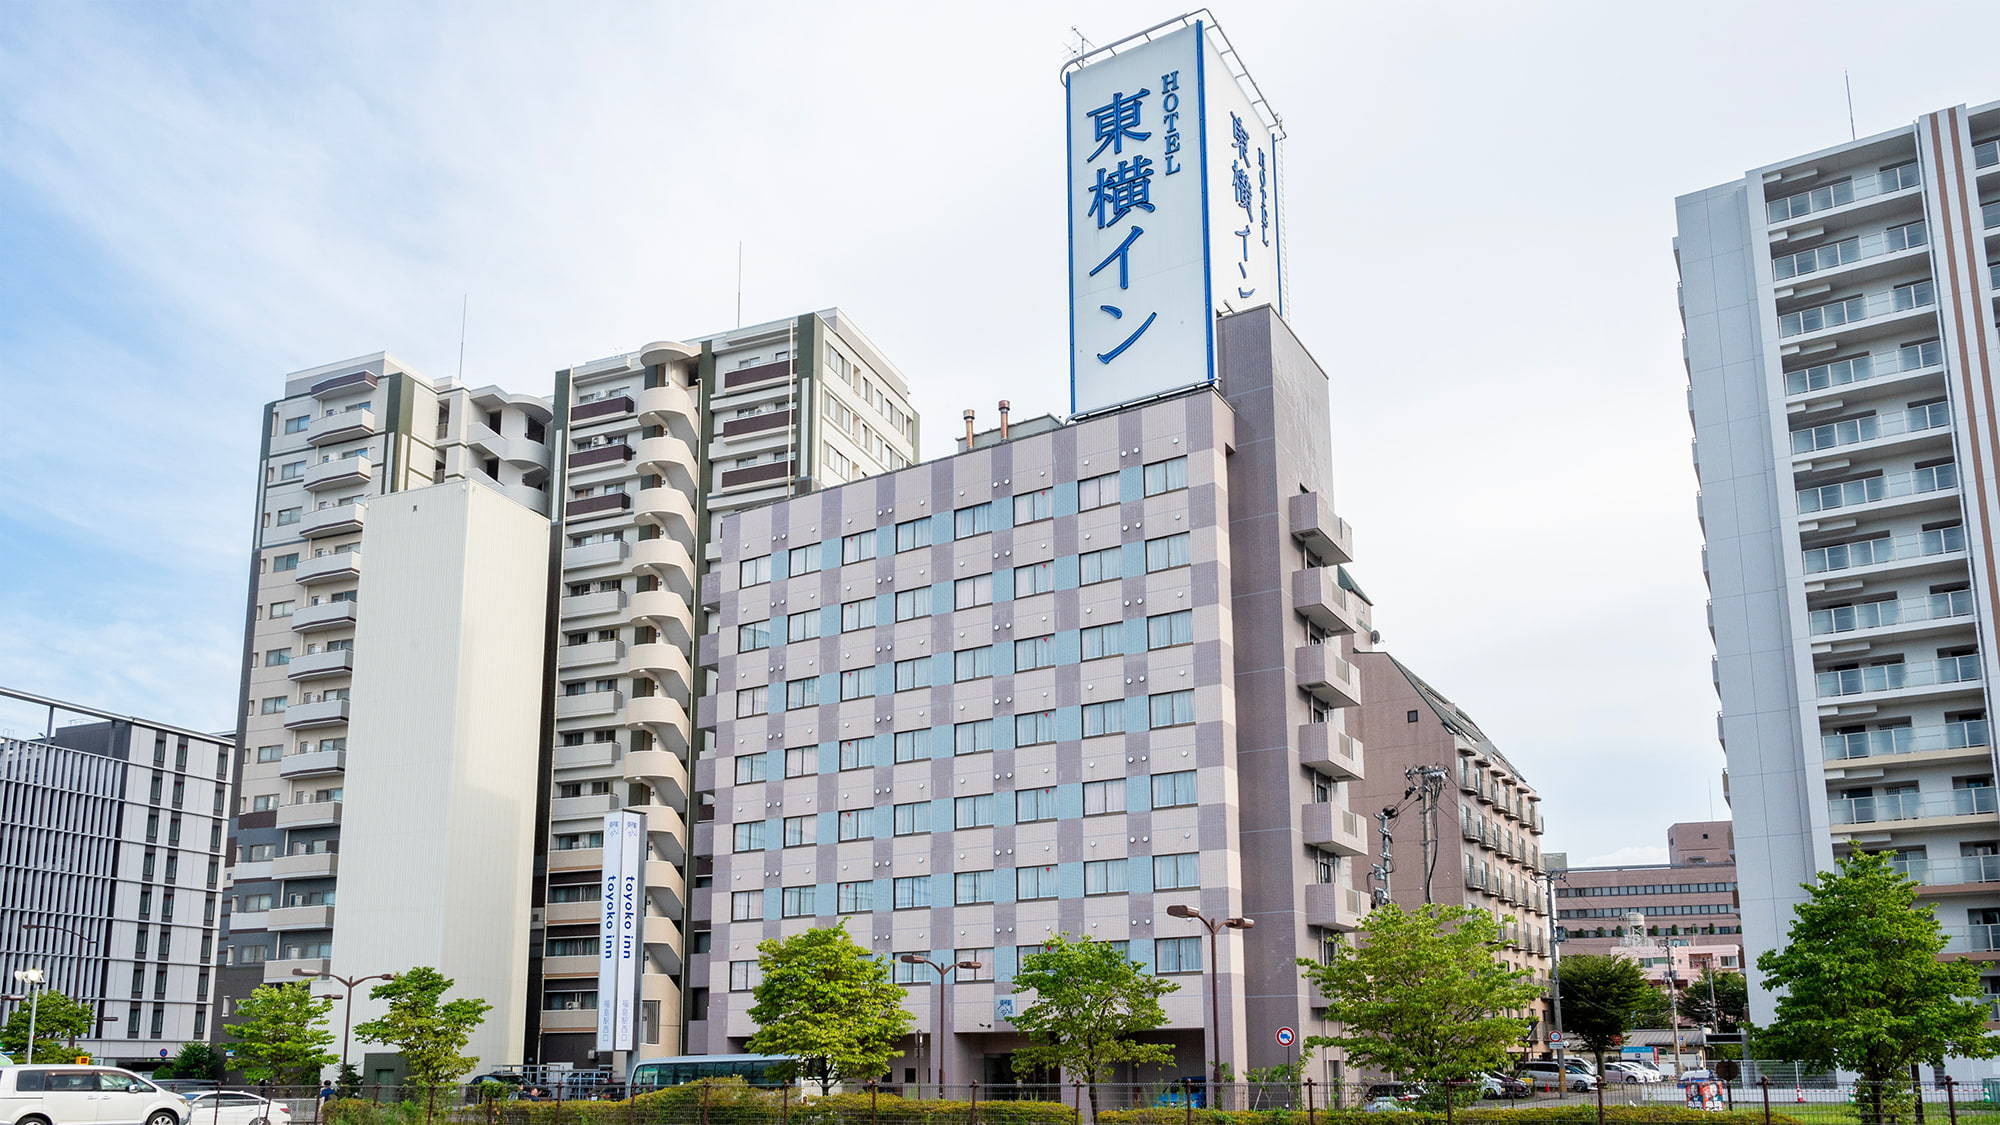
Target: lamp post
(80, 936)
(347, 1012)
(30, 978)
(944, 982)
(1213, 926)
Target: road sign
(1286, 1037)
(163, 1052)
(1555, 1038)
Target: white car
(236, 1107)
(84, 1095)
(1631, 1072)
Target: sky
(198, 198)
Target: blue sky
(197, 198)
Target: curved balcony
(666, 611)
(669, 559)
(664, 717)
(666, 663)
(664, 771)
(672, 406)
(668, 508)
(665, 884)
(669, 457)
(516, 451)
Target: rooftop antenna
(464, 302)
(1082, 44)
(1849, 83)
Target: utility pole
(1426, 785)
(1548, 881)
(1379, 874)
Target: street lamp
(347, 1012)
(1213, 926)
(87, 940)
(31, 978)
(944, 981)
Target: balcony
(340, 472)
(340, 384)
(1331, 906)
(565, 913)
(591, 806)
(589, 655)
(1903, 808)
(669, 508)
(757, 423)
(1323, 533)
(569, 1020)
(1323, 674)
(584, 965)
(1966, 738)
(602, 410)
(605, 504)
(334, 566)
(664, 771)
(340, 519)
(1325, 748)
(1910, 358)
(1931, 418)
(1850, 251)
(306, 865)
(1871, 490)
(589, 704)
(666, 611)
(325, 713)
(1880, 551)
(347, 425)
(606, 553)
(665, 718)
(325, 615)
(762, 373)
(673, 406)
(1972, 939)
(1957, 871)
(1903, 177)
(670, 457)
(596, 604)
(770, 472)
(308, 814)
(282, 970)
(1856, 310)
(576, 859)
(1908, 615)
(1875, 678)
(1327, 825)
(285, 918)
(319, 665)
(313, 763)
(1319, 598)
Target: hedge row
(727, 1102)
(1580, 1114)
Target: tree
(1422, 995)
(1730, 1009)
(1090, 1002)
(1654, 1009)
(427, 1030)
(195, 1060)
(1604, 997)
(1860, 984)
(58, 1020)
(281, 1035)
(829, 1003)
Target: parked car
(235, 1107)
(1631, 1072)
(99, 1095)
(1386, 1105)
(185, 1086)
(1497, 1085)
(1403, 1092)
(1547, 1072)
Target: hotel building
(1061, 681)
(1839, 339)
(1686, 903)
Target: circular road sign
(1555, 1038)
(163, 1052)
(1286, 1037)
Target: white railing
(1849, 250)
(1852, 431)
(1865, 186)
(1870, 552)
(1957, 735)
(1972, 939)
(1915, 295)
(1944, 872)
(1867, 490)
(1912, 805)
(1895, 677)
(1944, 606)
(1861, 368)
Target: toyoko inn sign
(1173, 209)
(619, 957)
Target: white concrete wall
(438, 846)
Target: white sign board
(620, 935)
(1173, 215)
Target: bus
(757, 1070)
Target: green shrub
(1583, 1113)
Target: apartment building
(1687, 903)
(655, 443)
(1064, 681)
(1840, 346)
(111, 869)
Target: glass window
(973, 812)
(1167, 552)
(972, 737)
(746, 906)
(913, 673)
(857, 897)
(913, 603)
(1104, 877)
(1100, 566)
(750, 768)
(801, 693)
(749, 837)
(974, 520)
(1034, 578)
(800, 831)
(743, 976)
(1171, 790)
(1102, 640)
(1032, 506)
(972, 663)
(802, 560)
(1096, 492)
(1035, 882)
(971, 887)
(982, 955)
(756, 635)
(298, 425)
(1034, 652)
(1034, 728)
(854, 754)
(976, 590)
(909, 972)
(1176, 872)
(754, 572)
(912, 892)
(1168, 629)
(909, 745)
(1170, 709)
(800, 760)
(1101, 797)
(796, 902)
(286, 562)
(1035, 804)
(857, 683)
(802, 626)
(1166, 476)
(1103, 718)
(1177, 955)
(752, 701)
(911, 534)
(913, 818)
(857, 547)
(856, 824)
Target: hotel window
(1176, 955)
(1100, 566)
(287, 516)
(911, 534)
(802, 560)
(970, 888)
(1103, 718)
(1104, 877)
(1166, 630)
(913, 818)
(270, 753)
(1166, 476)
(909, 745)
(1102, 640)
(975, 520)
(754, 636)
(857, 897)
(973, 591)
(746, 906)
(1176, 872)
(802, 626)
(1032, 506)
(913, 673)
(982, 955)
(754, 572)
(973, 737)
(298, 425)
(749, 837)
(1172, 790)
(854, 754)
(857, 547)
(800, 760)
(1167, 552)
(1100, 797)
(855, 615)
(800, 831)
(796, 902)
(579, 841)
(283, 609)
(277, 656)
(972, 663)
(909, 972)
(285, 562)
(857, 683)
(912, 604)
(1034, 804)
(856, 824)
(751, 768)
(743, 976)
(1036, 882)
(752, 701)
(1034, 728)
(1096, 492)
(801, 693)
(1170, 709)
(973, 812)
(1034, 652)
(911, 892)
(272, 705)
(1034, 578)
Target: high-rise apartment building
(111, 871)
(1486, 834)
(1840, 346)
(1063, 682)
